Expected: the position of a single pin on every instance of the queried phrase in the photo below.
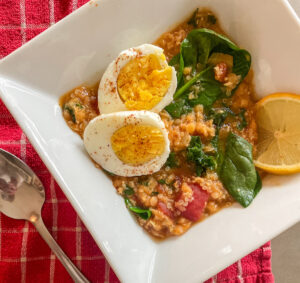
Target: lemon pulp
(278, 119)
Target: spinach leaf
(178, 107)
(143, 213)
(193, 19)
(243, 121)
(219, 115)
(178, 64)
(172, 161)
(196, 155)
(211, 19)
(162, 181)
(188, 54)
(128, 191)
(191, 82)
(206, 42)
(210, 89)
(195, 51)
(258, 185)
(238, 173)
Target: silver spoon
(22, 196)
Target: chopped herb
(243, 121)
(141, 212)
(172, 160)
(196, 155)
(161, 181)
(71, 112)
(193, 19)
(79, 105)
(128, 191)
(211, 19)
(154, 193)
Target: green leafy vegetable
(71, 112)
(211, 19)
(162, 181)
(219, 115)
(243, 121)
(143, 213)
(206, 42)
(238, 173)
(178, 107)
(154, 193)
(210, 89)
(172, 160)
(191, 82)
(195, 51)
(177, 63)
(128, 191)
(197, 155)
(79, 105)
(193, 19)
(258, 185)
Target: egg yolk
(143, 82)
(137, 144)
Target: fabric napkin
(24, 256)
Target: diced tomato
(163, 208)
(195, 208)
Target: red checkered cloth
(24, 256)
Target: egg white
(97, 141)
(108, 97)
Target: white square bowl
(77, 50)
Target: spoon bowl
(22, 196)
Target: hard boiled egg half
(128, 143)
(138, 79)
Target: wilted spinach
(242, 120)
(219, 115)
(238, 173)
(195, 51)
(178, 107)
(196, 155)
(128, 191)
(141, 212)
(201, 43)
(172, 161)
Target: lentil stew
(197, 179)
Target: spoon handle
(76, 275)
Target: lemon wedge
(278, 120)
